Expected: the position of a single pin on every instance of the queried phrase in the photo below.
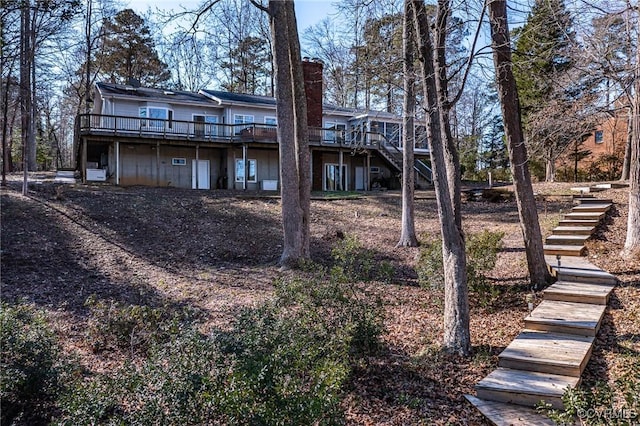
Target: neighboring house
(213, 139)
(601, 153)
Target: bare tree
(293, 133)
(456, 311)
(408, 233)
(632, 242)
(510, 104)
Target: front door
(200, 169)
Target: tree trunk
(25, 90)
(550, 167)
(292, 133)
(632, 242)
(456, 311)
(408, 234)
(510, 104)
(626, 165)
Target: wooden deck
(550, 355)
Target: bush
(354, 262)
(602, 404)
(482, 253)
(430, 268)
(131, 327)
(31, 371)
(284, 362)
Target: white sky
(308, 12)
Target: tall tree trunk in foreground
(456, 310)
(293, 134)
(626, 163)
(632, 242)
(408, 234)
(26, 98)
(515, 141)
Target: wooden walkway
(553, 350)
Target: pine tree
(128, 51)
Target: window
(205, 125)
(334, 133)
(178, 161)
(252, 172)
(334, 179)
(599, 136)
(240, 119)
(161, 116)
(272, 121)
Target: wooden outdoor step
(584, 215)
(611, 185)
(592, 200)
(579, 222)
(553, 353)
(579, 292)
(566, 317)
(586, 189)
(563, 250)
(524, 387)
(574, 230)
(598, 208)
(567, 240)
(503, 414)
(575, 268)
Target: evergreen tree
(542, 53)
(128, 51)
(248, 66)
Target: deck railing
(99, 124)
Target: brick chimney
(312, 70)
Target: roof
(222, 98)
(121, 90)
(228, 97)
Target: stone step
(524, 387)
(579, 292)
(592, 200)
(597, 208)
(553, 353)
(574, 230)
(503, 414)
(563, 250)
(584, 215)
(579, 222)
(582, 319)
(567, 240)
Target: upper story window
(334, 132)
(240, 119)
(205, 125)
(161, 116)
(599, 136)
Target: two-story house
(215, 139)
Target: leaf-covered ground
(215, 251)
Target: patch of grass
(336, 195)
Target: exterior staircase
(551, 353)
(393, 155)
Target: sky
(308, 12)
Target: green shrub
(284, 362)
(602, 404)
(482, 253)
(353, 262)
(131, 327)
(430, 268)
(31, 370)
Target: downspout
(157, 163)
